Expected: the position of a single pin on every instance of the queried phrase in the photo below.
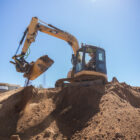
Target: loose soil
(110, 112)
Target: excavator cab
(90, 58)
(89, 64)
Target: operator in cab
(91, 65)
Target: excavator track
(83, 80)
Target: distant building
(6, 87)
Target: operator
(79, 64)
(91, 65)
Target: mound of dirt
(12, 104)
(92, 112)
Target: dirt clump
(95, 112)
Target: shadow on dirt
(127, 93)
(74, 108)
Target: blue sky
(111, 24)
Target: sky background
(111, 24)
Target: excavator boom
(34, 69)
(49, 29)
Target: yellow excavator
(89, 62)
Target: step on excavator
(89, 62)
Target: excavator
(89, 62)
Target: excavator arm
(34, 69)
(49, 29)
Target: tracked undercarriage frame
(83, 78)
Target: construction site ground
(97, 112)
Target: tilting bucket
(39, 67)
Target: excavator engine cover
(39, 67)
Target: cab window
(79, 62)
(100, 55)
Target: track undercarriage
(82, 79)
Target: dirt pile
(12, 104)
(93, 112)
